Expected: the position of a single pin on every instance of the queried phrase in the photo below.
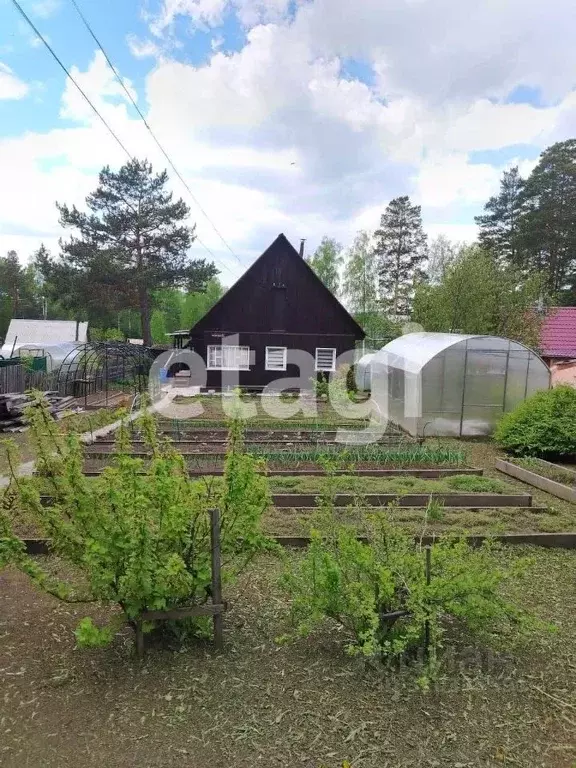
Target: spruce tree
(499, 224)
(400, 253)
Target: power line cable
(94, 108)
(151, 132)
(49, 47)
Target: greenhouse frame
(455, 385)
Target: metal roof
(558, 336)
(46, 331)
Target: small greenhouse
(53, 354)
(451, 384)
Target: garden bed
(255, 446)
(466, 500)
(479, 521)
(556, 472)
(213, 408)
(540, 474)
(284, 469)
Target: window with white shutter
(276, 358)
(325, 359)
(222, 357)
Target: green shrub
(358, 584)
(139, 534)
(543, 425)
(321, 385)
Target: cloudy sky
(301, 116)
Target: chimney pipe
(302, 247)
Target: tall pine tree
(400, 252)
(548, 223)
(499, 224)
(132, 243)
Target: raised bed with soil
(382, 455)
(208, 465)
(543, 475)
(366, 469)
(466, 500)
(492, 521)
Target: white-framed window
(325, 359)
(222, 357)
(276, 358)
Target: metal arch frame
(95, 364)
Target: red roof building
(558, 336)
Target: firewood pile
(13, 405)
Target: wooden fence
(19, 378)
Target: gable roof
(45, 331)
(558, 335)
(286, 246)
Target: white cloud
(450, 50)
(203, 13)
(101, 87)
(490, 126)
(457, 233)
(10, 86)
(210, 13)
(142, 49)
(253, 12)
(451, 178)
(46, 8)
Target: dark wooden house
(278, 305)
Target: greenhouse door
(484, 391)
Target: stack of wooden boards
(13, 405)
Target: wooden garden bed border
(561, 540)
(445, 507)
(564, 540)
(559, 490)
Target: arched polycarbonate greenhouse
(453, 385)
(55, 354)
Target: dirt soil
(302, 704)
